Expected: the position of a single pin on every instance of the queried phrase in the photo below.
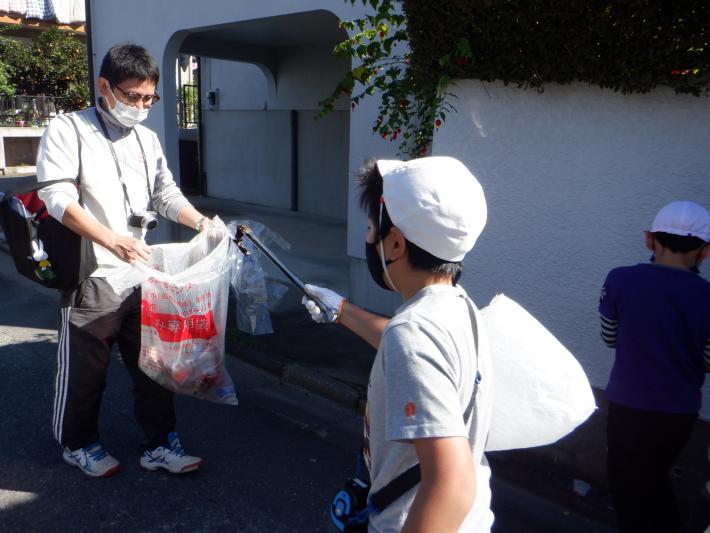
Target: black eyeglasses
(134, 98)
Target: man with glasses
(117, 176)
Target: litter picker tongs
(244, 231)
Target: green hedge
(630, 46)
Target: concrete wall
(323, 164)
(572, 178)
(18, 146)
(247, 137)
(236, 147)
(20, 151)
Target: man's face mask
(376, 264)
(126, 115)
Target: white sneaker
(93, 460)
(171, 458)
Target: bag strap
(408, 479)
(78, 174)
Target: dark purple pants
(642, 448)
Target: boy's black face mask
(374, 265)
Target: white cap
(436, 203)
(683, 218)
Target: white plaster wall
(572, 178)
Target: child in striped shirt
(657, 317)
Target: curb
(294, 373)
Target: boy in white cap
(428, 395)
(657, 316)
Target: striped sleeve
(611, 327)
(707, 356)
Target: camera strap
(400, 485)
(104, 129)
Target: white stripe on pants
(62, 377)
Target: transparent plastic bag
(185, 290)
(185, 297)
(254, 296)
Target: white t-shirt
(420, 386)
(102, 193)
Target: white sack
(540, 392)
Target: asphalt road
(272, 464)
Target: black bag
(349, 511)
(351, 507)
(30, 231)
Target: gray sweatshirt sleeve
(58, 159)
(167, 198)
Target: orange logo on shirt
(410, 409)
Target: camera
(143, 219)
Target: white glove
(214, 229)
(331, 300)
